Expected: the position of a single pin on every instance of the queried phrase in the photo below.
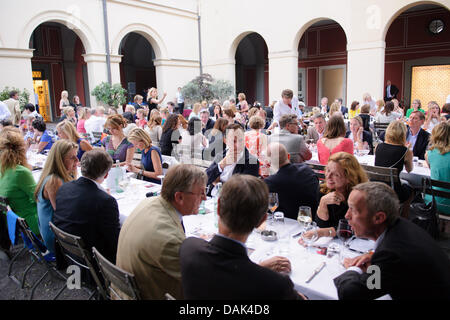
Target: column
(115, 68)
(283, 73)
(222, 70)
(97, 73)
(16, 70)
(174, 73)
(365, 70)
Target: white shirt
(383, 118)
(180, 98)
(412, 139)
(228, 170)
(94, 124)
(281, 109)
(377, 243)
(4, 111)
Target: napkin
(322, 242)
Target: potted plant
(112, 95)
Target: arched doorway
(322, 63)
(57, 65)
(252, 72)
(137, 70)
(417, 59)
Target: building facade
(339, 48)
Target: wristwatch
(141, 172)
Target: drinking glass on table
(344, 233)
(273, 204)
(309, 236)
(304, 216)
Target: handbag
(425, 215)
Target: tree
(24, 96)
(113, 96)
(205, 87)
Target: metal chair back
(116, 278)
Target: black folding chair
(76, 253)
(117, 279)
(39, 254)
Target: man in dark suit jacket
(296, 184)
(235, 159)
(221, 269)
(207, 122)
(84, 209)
(390, 91)
(416, 137)
(407, 263)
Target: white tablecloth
(320, 288)
(418, 168)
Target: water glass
(304, 216)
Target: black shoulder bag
(425, 215)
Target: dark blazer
(84, 210)
(344, 110)
(366, 121)
(221, 270)
(367, 136)
(246, 165)
(412, 266)
(167, 139)
(296, 185)
(209, 125)
(211, 110)
(421, 143)
(394, 92)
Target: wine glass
(304, 216)
(344, 231)
(310, 237)
(273, 203)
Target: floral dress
(256, 143)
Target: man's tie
(290, 105)
(182, 224)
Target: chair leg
(14, 260)
(25, 273)
(60, 291)
(36, 284)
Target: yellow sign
(37, 74)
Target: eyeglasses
(202, 194)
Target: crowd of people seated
(250, 149)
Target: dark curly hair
(39, 125)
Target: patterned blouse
(256, 143)
(121, 152)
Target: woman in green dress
(16, 181)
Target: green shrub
(113, 95)
(205, 87)
(24, 95)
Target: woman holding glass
(151, 161)
(60, 167)
(342, 173)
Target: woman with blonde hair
(154, 128)
(380, 105)
(333, 139)
(16, 181)
(335, 108)
(393, 153)
(117, 144)
(433, 116)
(342, 173)
(152, 98)
(60, 167)
(69, 114)
(64, 102)
(66, 130)
(438, 159)
(82, 117)
(195, 111)
(151, 161)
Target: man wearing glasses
(289, 137)
(151, 236)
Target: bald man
(296, 184)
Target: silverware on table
(316, 271)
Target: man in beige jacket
(151, 236)
(14, 107)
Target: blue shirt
(147, 163)
(47, 138)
